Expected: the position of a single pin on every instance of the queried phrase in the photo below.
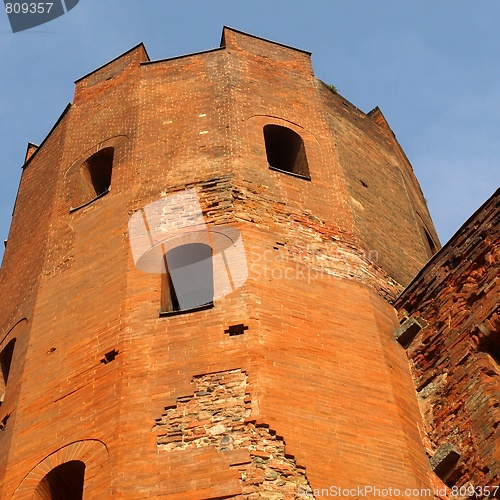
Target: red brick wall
(455, 357)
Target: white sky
(432, 67)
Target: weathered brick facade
(455, 352)
(314, 390)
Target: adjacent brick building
(275, 376)
(452, 306)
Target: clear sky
(432, 67)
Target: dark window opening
(5, 363)
(188, 282)
(3, 424)
(431, 246)
(64, 482)
(94, 177)
(169, 302)
(285, 151)
(494, 351)
(491, 346)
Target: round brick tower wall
(291, 383)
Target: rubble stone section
(218, 415)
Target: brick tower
(195, 293)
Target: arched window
(431, 246)
(64, 482)
(5, 362)
(94, 177)
(428, 240)
(285, 151)
(188, 282)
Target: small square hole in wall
(109, 356)
(408, 330)
(234, 330)
(444, 462)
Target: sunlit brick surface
(456, 355)
(324, 258)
